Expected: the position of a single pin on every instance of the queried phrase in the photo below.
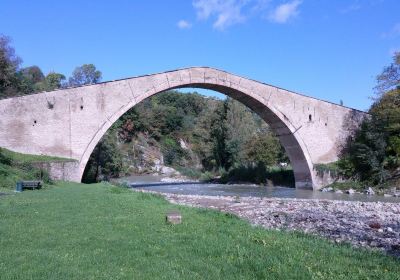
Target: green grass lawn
(76, 231)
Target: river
(154, 183)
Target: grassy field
(76, 231)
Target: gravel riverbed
(363, 224)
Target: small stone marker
(173, 217)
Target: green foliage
(9, 64)
(31, 79)
(220, 134)
(5, 158)
(281, 176)
(373, 155)
(368, 154)
(85, 75)
(240, 124)
(259, 174)
(190, 172)
(206, 176)
(105, 160)
(265, 149)
(346, 167)
(52, 81)
(239, 137)
(343, 186)
(332, 168)
(33, 74)
(130, 124)
(389, 79)
(172, 151)
(246, 173)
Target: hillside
(191, 133)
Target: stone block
(173, 217)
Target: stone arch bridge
(69, 122)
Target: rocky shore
(363, 224)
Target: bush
(189, 172)
(331, 168)
(356, 185)
(5, 159)
(259, 174)
(206, 176)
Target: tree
(84, 75)
(218, 134)
(264, 149)
(367, 152)
(9, 64)
(32, 73)
(386, 116)
(105, 161)
(240, 127)
(30, 79)
(374, 153)
(51, 82)
(389, 79)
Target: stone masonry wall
(59, 170)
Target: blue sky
(327, 49)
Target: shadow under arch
(279, 123)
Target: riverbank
(363, 224)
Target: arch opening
(278, 122)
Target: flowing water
(154, 183)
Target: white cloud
(183, 24)
(260, 5)
(351, 8)
(394, 32)
(285, 12)
(225, 12)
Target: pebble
(350, 191)
(363, 224)
(396, 194)
(370, 191)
